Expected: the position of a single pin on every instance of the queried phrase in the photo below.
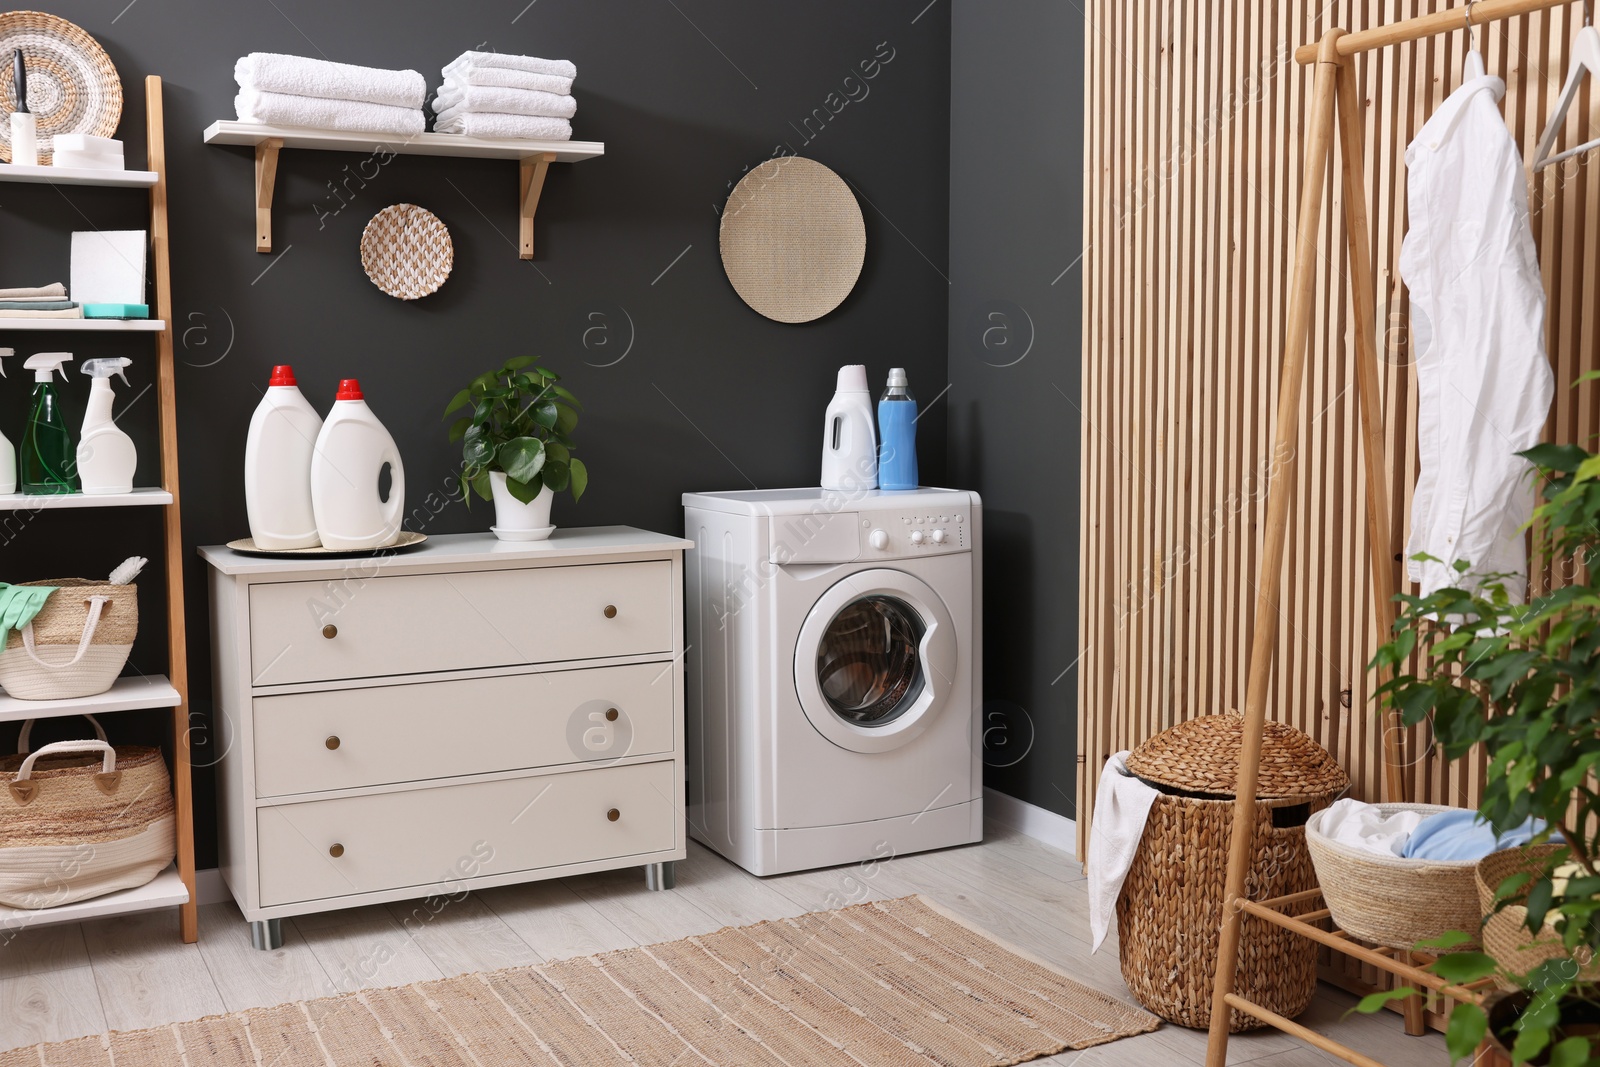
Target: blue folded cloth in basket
(1460, 834)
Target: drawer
(449, 833)
(351, 738)
(359, 627)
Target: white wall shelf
(126, 694)
(166, 891)
(534, 158)
(12, 172)
(149, 497)
(83, 325)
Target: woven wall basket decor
(72, 86)
(406, 251)
(793, 239)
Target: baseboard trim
(1041, 824)
(209, 888)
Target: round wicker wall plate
(793, 239)
(72, 86)
(406, 251)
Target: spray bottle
(8, 451)
(47, 461)
(106, 456)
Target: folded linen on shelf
(356, 116)
(491, 98)
(53, 291)
(560, 68)
(271, 72)
(505, 78)
(69, 313)
(492, 124)
(36, 305)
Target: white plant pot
(516, 521)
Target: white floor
(119, 974)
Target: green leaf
(556, 475)
(1462, 967)
(516, 364)
(566, 420)
(459, 401)
(1465, 1033)
(556, 450)
(482, 486)
(550, 374)
(1538, 903)
(458, 429)
(1447, 940)
(1375, 1002)
(1573, 1052)
(476, 449)
(522, 490)
(521, 458)
(544, 414)
(564, 394)
(580, 478)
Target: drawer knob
(611, 611)
(330, 631)
(336, 850)
(332, 742)
(613, 815)
(611, 715)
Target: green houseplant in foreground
(518, 422)
(1524, 680)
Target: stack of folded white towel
(486, 94)
(283, 90)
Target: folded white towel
(561, 68)
(1364, 826)
(1121, 806)
(490, 124)
(351, 115)
(53, 291)
(485, 99)
(67, 313)
(505, 77)
(269, 72)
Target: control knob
(916, 537)
(879, 540)
(939, 537)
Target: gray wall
(686, 94)
(1016, 165)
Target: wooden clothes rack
(1335, 111)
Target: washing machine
(834, 668)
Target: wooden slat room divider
(1193, 148)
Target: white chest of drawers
(469, 713)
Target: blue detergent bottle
(897, 434)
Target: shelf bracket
(530, 186)
(266, 178)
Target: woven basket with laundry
(76, 645)
(1170, 908)
(79, 819)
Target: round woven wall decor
(793, 239)
(406, 251)
(72, 86)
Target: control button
(916, 537)
(944, 518)
(961, 518)
(939, 537)
(879, 539)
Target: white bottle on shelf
(106, 455)
(277, 466)
(352, 450)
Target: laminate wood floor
(66, 981)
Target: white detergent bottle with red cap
(346, 473)
(277, 466)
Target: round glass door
(875, 660)
(869, 663)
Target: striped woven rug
(896, 982)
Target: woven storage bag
(79, 819)
(1391, 900)
(76, 646)
(1505, 935)
(1170, 911)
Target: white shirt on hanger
(1477, 331)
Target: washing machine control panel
(913, 532)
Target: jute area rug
(896, 982)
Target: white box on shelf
(108, 266)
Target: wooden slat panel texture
(1195, 126)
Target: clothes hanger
(1585, 57)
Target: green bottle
(47, 462)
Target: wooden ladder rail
(1335, 103)
(167, 402)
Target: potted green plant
(1523, 680)
(516, 445)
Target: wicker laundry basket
(1170, 911)
(1505, 933)
(1392, 900)
(76, 646)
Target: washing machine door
(875, 661)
